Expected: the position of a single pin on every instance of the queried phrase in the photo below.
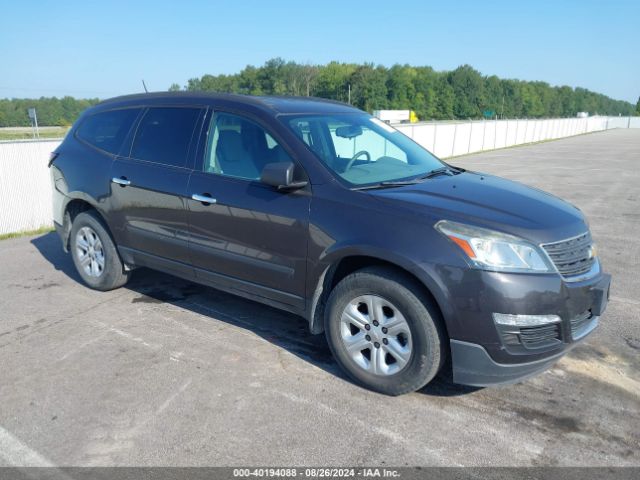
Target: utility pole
(34, 122)
(349, 95)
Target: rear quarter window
(107, 130)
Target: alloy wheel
(90, 252)
(376, 335)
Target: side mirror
(280, 176)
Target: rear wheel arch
(347, 265)
(72, 209)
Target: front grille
(542, 336)
(582, 324)
(573, 256)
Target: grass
(26, 233)
(25, 133)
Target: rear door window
(107, 130)
(165, 134)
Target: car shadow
(283, 329)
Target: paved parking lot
(165, 372)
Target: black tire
(428, 338)
(113, 274)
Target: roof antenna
(145, 86)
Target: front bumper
(472, 365)
(484, 353)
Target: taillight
(52, 157)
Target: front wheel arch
(349, 264)
(427, 342)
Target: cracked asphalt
(166, 372)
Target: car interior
(240, 148)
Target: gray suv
(406, 263)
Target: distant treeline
(50, 111)
(458, 94)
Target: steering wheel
(355, 157)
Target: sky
(104, 48)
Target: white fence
(450, 139)
(25, 185)
(25, 188)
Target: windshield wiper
(387, 184)
(441, 171)
(393, 183)
(399, 183)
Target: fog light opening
(514, 320)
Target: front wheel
(384, 331)
(94, 253)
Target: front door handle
(122, 181)
(205, 198)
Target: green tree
(333, 81)
(271, 77)
(368, 88)
(493, 95)
(249, 81)
(468, 90)
(460, 93)
(424, 102)
(445, 100)
(309, 75)
(567, 101)
(401, 87)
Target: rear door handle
(122, 181)
(204, 198)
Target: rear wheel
(384, 331)
(94, 253)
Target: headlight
(491, 250)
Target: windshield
(361, 149)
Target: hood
(491, 202)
